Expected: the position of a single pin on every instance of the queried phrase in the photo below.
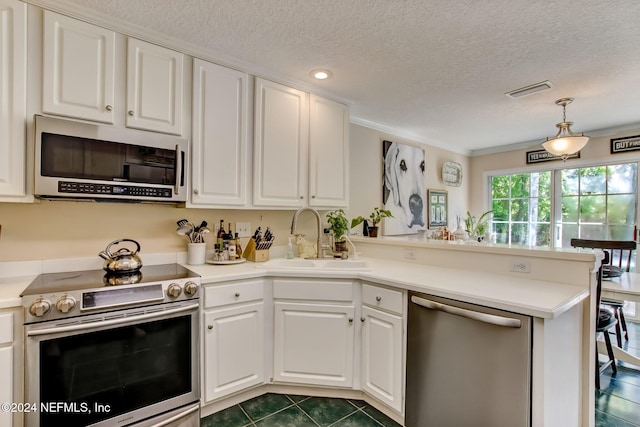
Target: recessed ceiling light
(321, 74)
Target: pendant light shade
(565, 142)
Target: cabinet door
(281, 145)
(6, 386)
(78, 69)
(382, 356)
(219, 165)
(13, 69)
(233, 349)
(328, 153)
(313, 344)
(154, 87)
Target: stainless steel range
(113, 350)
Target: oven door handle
(99, 324)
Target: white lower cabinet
(232, 338)
(11, 366)
(314, 335)
(382, 364)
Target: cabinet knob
(301, 197)
(378, 299)
(350, 319)
(313, 197)
(196, 191)
(131, 113)
(362, 319)
(209, 326)
(108, 108)
(237, 294)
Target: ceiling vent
(530, 90)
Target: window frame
(555, 168)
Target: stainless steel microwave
(76, 160)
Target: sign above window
(622, 145)
(539, 156)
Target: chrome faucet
(294, 226)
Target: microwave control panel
(111, 189)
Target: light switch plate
(243, 229)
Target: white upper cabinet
(154, 87)
(78, 69)
(281, 145)
(81, 80)
(328, 153)
(13, 97)
(220, 152)
(301, 149)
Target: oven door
(115, 368)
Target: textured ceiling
(432, 70)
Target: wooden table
(623, 288)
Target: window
(597, 202)
(522, 208)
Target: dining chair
(620, 256)
(605, 318)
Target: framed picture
(437, 208)
(403, 188)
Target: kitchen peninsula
(554, 292)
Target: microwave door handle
(176, 188)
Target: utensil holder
(196, 253)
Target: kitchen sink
(314, 264)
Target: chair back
(620, 251)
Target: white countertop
(530, 297)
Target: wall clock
(452, 174)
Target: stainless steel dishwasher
(467, 365)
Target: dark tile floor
(280, 410)
(617, 404)
(618, 401)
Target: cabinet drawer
(217, 295)
(383, 298)
(6, 328)
(323, 290)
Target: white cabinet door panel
(314, 344)
(154, 87)
(220, 167)
(328, 153)
(233, 349)
(78, 69)
(13, 69)
(382, 356)
(281, 145)
(6, 385)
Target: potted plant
(477, 227)
(339, 225)
(376, 216)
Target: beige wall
(367, 173)
(597, 151)
(56, 229)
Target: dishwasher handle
(507, 322)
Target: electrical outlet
(409, 254)
(520, 265)
(243, 229)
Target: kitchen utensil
(123, 261)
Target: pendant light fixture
(565, 142)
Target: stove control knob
(174, 290)
(65, 304)
(40, 307)
(190, 289)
